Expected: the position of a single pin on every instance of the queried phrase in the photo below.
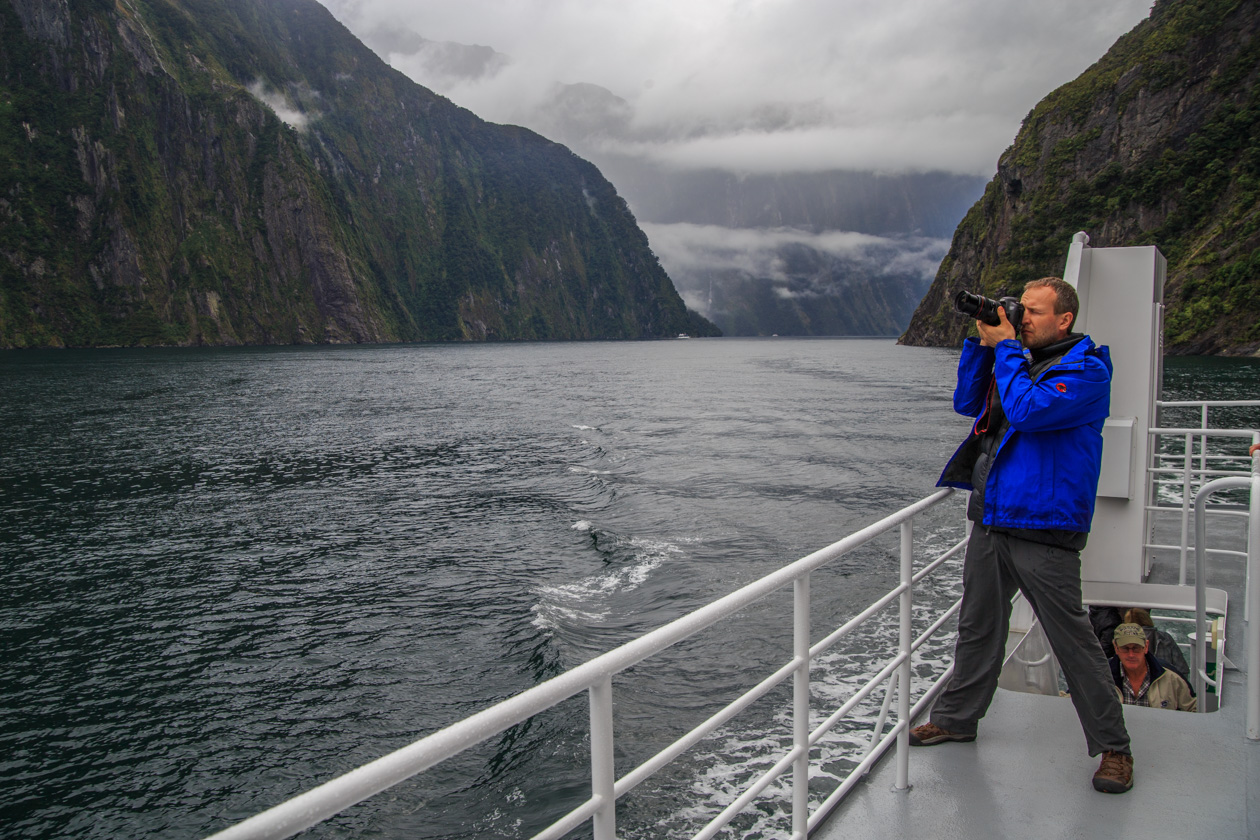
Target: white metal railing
(1252, 600)
(595, 678)
(1190, 469)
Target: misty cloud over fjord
(813, 283)
(685, 248)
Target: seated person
(1164, 647)
(1141, 679)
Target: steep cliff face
(1156, 144)
(245, 171)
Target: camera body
(986, 309)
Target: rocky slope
(245, 171)
(1157, 143)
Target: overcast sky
(774, 85)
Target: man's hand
(990, 336)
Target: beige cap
(1129, 634)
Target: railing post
(1203, 448)
(904, 643)
(1252, 532)
(1253, 602)
(800, 707)
(603, 773)
(1199, 661)
(1186, 503)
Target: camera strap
(982, 422)
(992, 423)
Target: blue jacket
(1045, 470)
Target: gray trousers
(1050, 577)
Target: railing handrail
(1201, 430)
(594, 676)
(1208, 403)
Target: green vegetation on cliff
(1158, 143)
(245, 171)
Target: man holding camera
(1032, 463)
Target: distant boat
(683, 335)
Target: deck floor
(1028, 775)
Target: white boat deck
(1028, 775)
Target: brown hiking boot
(927, 734)
(1115, 774)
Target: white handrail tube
(1205, 403)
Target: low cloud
(279, 104)
(684, 248)
(795, 282)
(959, 145)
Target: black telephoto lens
(977, 306)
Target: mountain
(1158, 143)
(247, 172)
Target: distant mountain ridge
(1158, 143)
(245, 171)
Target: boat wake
(590, 600)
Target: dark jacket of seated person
(1143, 680)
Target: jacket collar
(1153, 665)
(1059, 348)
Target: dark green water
(230, 575)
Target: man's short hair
(1065, 299)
